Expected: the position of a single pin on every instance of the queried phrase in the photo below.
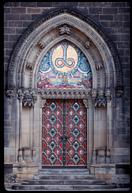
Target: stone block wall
(114, 17)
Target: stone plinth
(112, 173)
(25, 168)
(103, 171)
(25, 171)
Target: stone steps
(64, 180)
(63, 171)
(64, 177)
(61, 187)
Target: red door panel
(76, 146)
(64, 134)
(52, 130)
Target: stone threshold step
(64, 170)
(61, 187)
(64, 174)
(114, 189)
(64, 182)
(64, 177)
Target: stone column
(86, 103)
(25, 168)
(109, 126)
(17, 129)
(34, 99)
(9, 132)
(42, 104)
(100, 127)
(20, 97)
(92, 153)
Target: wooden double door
(64, 133)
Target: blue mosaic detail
(52, 158)
(76, 69)
(76, 119)
(45, 64)
(53, 106)
(83, 65)
(52, 132)
(76, 158)
(76, 145)
(52, 119)
(52, 145)
(76, 132)
(76, 106)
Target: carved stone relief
(29, 98)
(64, 29)
(85, 103)
(29, 65)
(40, 45)
(119, 91)
(10, 93)
(87, 44)
(100, 100)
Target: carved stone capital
(20, 94)
(85, 103)
(119, 91)
(100, 101)
(29, 98)
(64, 29)
(10, 93)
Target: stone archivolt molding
(70, 25)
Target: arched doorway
(32, 95)
(64, 122)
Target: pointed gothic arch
(85, 26)
(43, 34)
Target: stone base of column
(25, 171)
(117, 173)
